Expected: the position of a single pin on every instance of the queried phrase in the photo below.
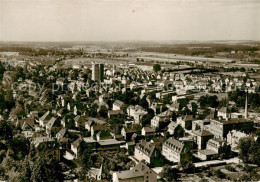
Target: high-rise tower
(97, 72)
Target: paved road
(228, 161)
(200, 164)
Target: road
(204, 163)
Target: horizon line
(85, 41)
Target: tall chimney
(227, 113)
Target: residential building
(148, 152)
(162, 120)
(233, 138)
(201, 137)
(173, 149)
(118, 105)
(139, 173)
(185, 121)
(148, 131)
(137, 112)
(171, 127)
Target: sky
(129, 20)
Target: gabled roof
(77, 118)
(237, 134)
(133, 129)
(223, 109)
(138, 171)
(149, 129)
(101, 103)
(112, 112)
(174, 144)
(188, 118)
(119, 103)
(44, 116)
(202, 133)
(62, 132)
(99, 127)
(95, 120)
(210, 116)
(146, 147)
(27, 122)
(51, 122)
(38, 140)
(60, 111)
(172, 125)
(76, 143)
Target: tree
(174, 116)
(86, 159)
(249, 150)
(46, 170)
(220, 174)
(208, 101)
(6, 131)
(10, 102)
(20, 145)
(2, 70)
(38, 172)
(143, 102)
(26, 173)
(166, 100)
(2, 103)
(178, 132)
(146, 119)
(156, 67)
(194, 108)
(169, 173)
(225, 151)
(223, 102)
(182, 103)
(93, 110)
(103, 111)
(186, 162)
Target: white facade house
(171, 127)
(160, 119)
(137, 112)
(233, 138)
(145, 151)
(75, 146)
(139, 173)
(222, 113)
(172, 150)
(214, 144)
(118, 105)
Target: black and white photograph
(129, 90)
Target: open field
(175, 57)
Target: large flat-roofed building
(97, 72)
(109, 144)
(220, 128)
